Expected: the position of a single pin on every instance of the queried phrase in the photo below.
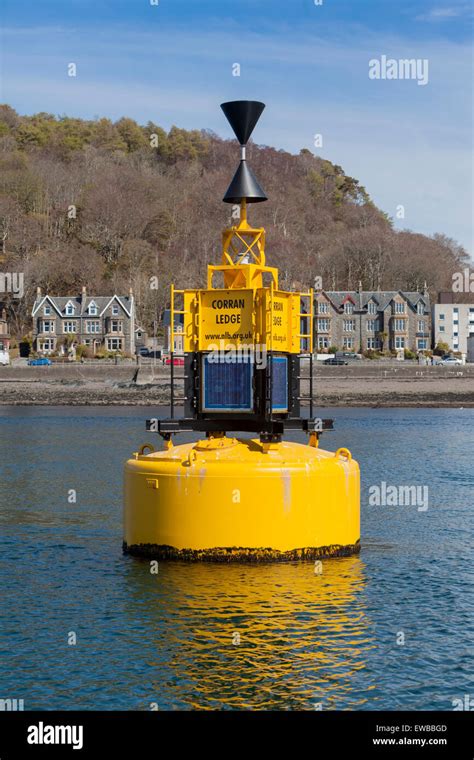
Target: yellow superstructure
(251, 498)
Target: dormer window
(348, 307)
(421, 307)
(70, 309)
(92, 309)
(399, 307)
(47, 311)
(371, 308)
(115, 310)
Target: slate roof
(59, 303)
(381, 297)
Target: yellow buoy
(245, 344)
(229, 499)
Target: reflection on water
(256, 636)
(392, 628)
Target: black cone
(242, 116)
(244, 185)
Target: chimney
(84, 293)
(38, 292)
(130, 292)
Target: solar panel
(227, 386)
(279, 383)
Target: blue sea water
(392, 628)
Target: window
(48, 326)
(70, 309)
(116, 325)
(400, 325)
(47, 310)
(323, 325)
(421, 325)
(420, 308)
(115, 310)
(349, 325)
(92, 309)
(323, 341)
(371, 308)
(455, 334)
(323, 307)
(372, 343)
(372, 325)
(70, 327)
(422, 344)
(399, 341)
(399, 307)
(114, 344)
(441, 329)
(348, 307)
(93, 326)
(47, 344)
(456, 310)
(348, 342)
(441, 316)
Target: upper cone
(242, 116)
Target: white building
(453, 323)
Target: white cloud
(440, 14)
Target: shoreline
(363, 386)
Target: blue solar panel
(280, 383)
(227, 387)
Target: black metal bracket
(271, 427)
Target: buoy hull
(229, 499)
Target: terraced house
(99, 322)
(379, 320)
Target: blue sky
(171, 63)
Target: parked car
(143, 351)
(154, 354)
(336, 360)
(4, 358)
(349, 355)
(450, 361)
(42, 361)
(178, 361)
